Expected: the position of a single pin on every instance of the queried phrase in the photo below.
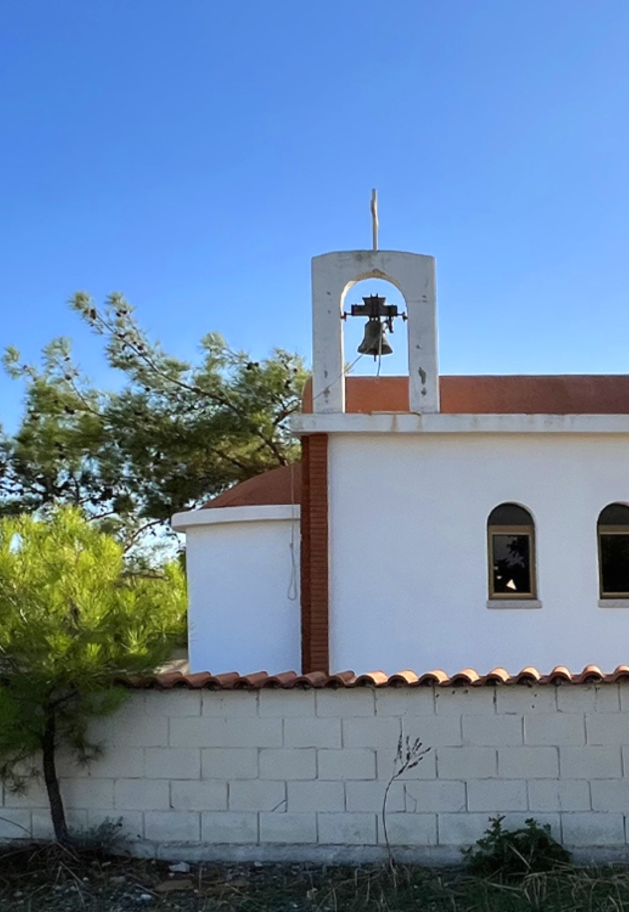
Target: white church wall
(408, 550)
(243, 579)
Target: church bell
(375, 341)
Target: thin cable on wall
(343, 373)
(293, 587)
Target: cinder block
(554, 728)
(370, 731)
(465, 700)
(129, 825)
(588, 698)
(461, 829)
(590, 762)
(35, 796)
(349, 764)
(369, 795)
(559, 795)
(593, 829)
(435, 731)
(228, 704)
(465, 829)
(402, 701)
(229, 763)
(492, 731)
(573, 699)
(172, 763)
(199, 731)
(312, 733)
(623, 693)
(607, 728)
(347, 829)
(287, 704)
(409, 829)
(172, 826)
(522, 699)
(357, 701)
(141, 795)
(607, 698)
(119, 763)
(254, 733)
(435, 796)
(425, 769)
(497, 795)
(257, 795)
(16, 823)
(139, 731)
(291, 763)
(288, 828)
(610, 794)
(85, 793)
(189, 795)
(42, 825)
(225, 827)
(466, 762)
(304, 797)
(528, 762)
(172, 703)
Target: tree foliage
(73, 620)
(172, 436)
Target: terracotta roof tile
(288, 680)
(542, 394)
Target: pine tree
(74, 619)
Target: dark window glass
(614, 564)
(614, 515)
(613, 551)
(511, 563)
(510, 514)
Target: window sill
(613, 603)
(515, 603)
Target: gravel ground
(39, 878)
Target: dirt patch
(35, 879)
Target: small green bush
(514, 853)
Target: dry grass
(38, 879)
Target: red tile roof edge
(290, 680)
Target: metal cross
(374, 218)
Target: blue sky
(196, 154)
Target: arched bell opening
(371, 346)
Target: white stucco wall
(408, 552)
(243, 588)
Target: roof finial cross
(374, 218)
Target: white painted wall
(277, 775)
(408, 573)
(241, 615)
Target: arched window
(511, 552)
(613, 551)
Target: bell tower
(333, 274)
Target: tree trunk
(57, 811)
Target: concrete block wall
(301, 774)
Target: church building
(435, 522)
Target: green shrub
(514, 853)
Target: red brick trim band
(315, 654)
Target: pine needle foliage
(170, 435)
(73, 620)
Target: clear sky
(196, 154)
